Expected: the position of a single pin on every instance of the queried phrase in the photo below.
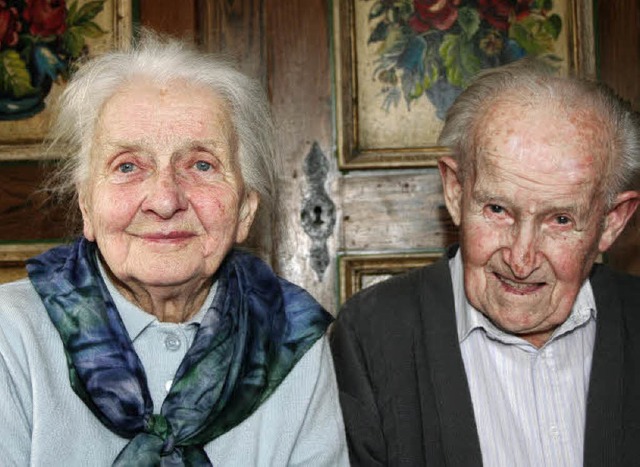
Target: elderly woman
(152, 340)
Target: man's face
(531, 219)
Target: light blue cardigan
(44, 423)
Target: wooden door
(333, 217)
(344, 228)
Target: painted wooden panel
(24, 213)
(171, 17)
(235, 28)
(400, 210)
(300, 88)
(618, 41)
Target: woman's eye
(203, 166)
(127, 167)
(496, 209)
(563, 220)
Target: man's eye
(203, 166)
(496, 209)
(127, 167)
(563, 220)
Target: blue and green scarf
(255, 331)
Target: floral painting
(40, 40)
(430, 49)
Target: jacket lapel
(603, 435)
(444, 369)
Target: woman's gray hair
(161, 60)
(531, 81)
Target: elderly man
(515, 349)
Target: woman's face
(165, 200)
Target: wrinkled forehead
(546, 138)
(169, 110)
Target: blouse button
(172, 342)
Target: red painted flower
(10, 26)
(438, 14)
(498, 12)
(45, 17)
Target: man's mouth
(519, 287)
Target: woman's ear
(616, 219)
(246, 215)
(85, 209)
(451, 187)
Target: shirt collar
(135, 319)
(469, 318)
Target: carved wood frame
(351, 155)
(352, 268)
(14, 255)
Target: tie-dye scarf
(255, 331)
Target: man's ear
(451, 186)
(617, 217)
(246, 215)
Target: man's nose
(522, 253)
(165, 196)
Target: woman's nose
(165, 196)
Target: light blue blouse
(44, 423)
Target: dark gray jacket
(403, 387)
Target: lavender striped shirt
(529, 403)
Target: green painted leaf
(14, 75)
(430, 76)
(73, 41)
(543, 5)
(532, 35)
(402, 9)
(72, 11)
(91, 30)
(379, 33)
(459, 59)
(469, 20)
(392, 42)
(86, 13)
(377, 10)
(553, 25)
(417, 91)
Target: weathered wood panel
(619, 47)
(298, 69)
(237, 29)
(24, 212)
(399, 211)
(169, 16)
(618, 25)
(13, 256)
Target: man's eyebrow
(483, 196)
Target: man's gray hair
(162, 60)
(533, 81)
